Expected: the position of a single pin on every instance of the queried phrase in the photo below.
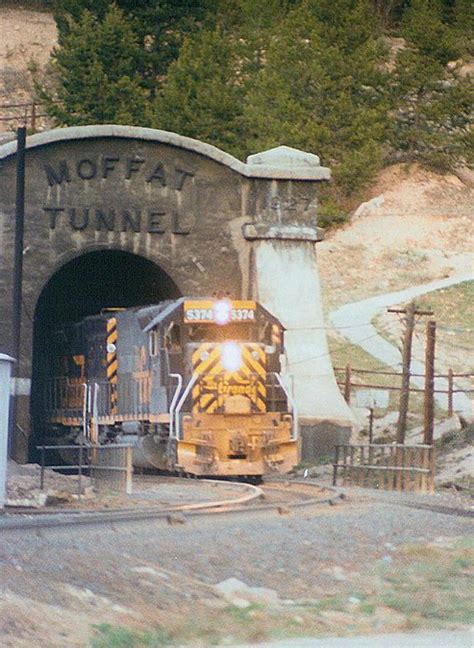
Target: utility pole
(429, 382)
(410, 311)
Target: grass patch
(118, 637)
(453, 309)
(36, 5)
(455, 439)
(432, 586)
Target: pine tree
(95, 77)
(160, 26)
(321, 89)
(203, 94)
(423, 26)
(433, 101)
(463, 25)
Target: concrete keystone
(284, 156)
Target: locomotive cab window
(173, 338)
(154, 342)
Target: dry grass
(416, 587)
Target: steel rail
(438, 508)
(237, 505)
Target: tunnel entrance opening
(82, 287)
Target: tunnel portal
(90, 283)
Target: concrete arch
(307, 168)
(86, 284)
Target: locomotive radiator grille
(216, 385)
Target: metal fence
(385, 466)
(30, 114)
(109, 466)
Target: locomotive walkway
(354, 322)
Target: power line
(340, 346)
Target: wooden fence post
(406, 361)
(347, 385)
(33, 117)
(450, 392)
(429, 382)
(431, 481)
(336, 463)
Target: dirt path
(354, 322)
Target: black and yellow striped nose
(112, 363)
(215, 384)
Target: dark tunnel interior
(82, 287)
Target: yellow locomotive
(194, 384)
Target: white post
(5, 373)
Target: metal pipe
(5, 373)
(85, 404)
(174, 400)
(18, 266)
(95, 415)
(180, 404)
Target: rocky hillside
(413, 227)
(26, 37)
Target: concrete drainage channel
(253, 500)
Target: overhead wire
(335, 349)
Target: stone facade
(196, 213)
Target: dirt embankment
(415, 226)
(26, 36)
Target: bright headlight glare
(231, 356)
(222, 312)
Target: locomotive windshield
(207, 333)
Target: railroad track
(278, 496)
(281, 496)
(439, 508)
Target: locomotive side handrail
(180, 404)
(291, 400)
(85, 409)
(174, 400)
(94, 427)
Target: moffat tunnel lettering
(112, 220)
(117, 167)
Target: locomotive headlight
(222, 312)
(231, 356)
